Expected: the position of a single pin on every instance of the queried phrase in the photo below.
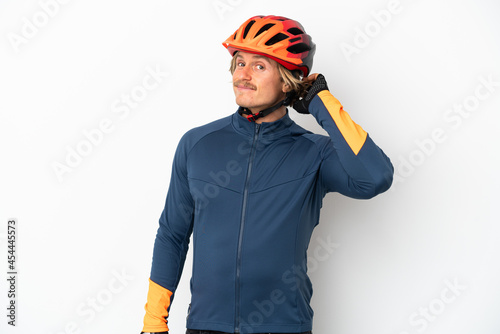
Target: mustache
(244, 84)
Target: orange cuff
(156, 308)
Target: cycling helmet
(276, 37)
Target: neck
(272, 117)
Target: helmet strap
(263, 113)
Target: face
(257, 83)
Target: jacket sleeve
(353, 164)
(171, 245)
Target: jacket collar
(268, 130)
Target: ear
(285, 88)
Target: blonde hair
(293, 79)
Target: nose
(243, 73)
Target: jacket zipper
(242, 225)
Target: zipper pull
(257, 128)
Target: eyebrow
(256, 56)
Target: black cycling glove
(302, 105)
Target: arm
(353, 164)
(171, 245)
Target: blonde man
(249, 188)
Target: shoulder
(313, 141)
(317, 139)
(193, 136)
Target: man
(250, 187)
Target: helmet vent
(295, 31)
(276, 38)
(299, 48)
(264, 28)
(247, 28)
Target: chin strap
(263, 113)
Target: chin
(244, 104)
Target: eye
(260, 67)
(240, 64)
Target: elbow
(379, 184)
(383, 182)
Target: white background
(85, 238)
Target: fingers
(311, 78)
(314, 76)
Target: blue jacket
(251, 196)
